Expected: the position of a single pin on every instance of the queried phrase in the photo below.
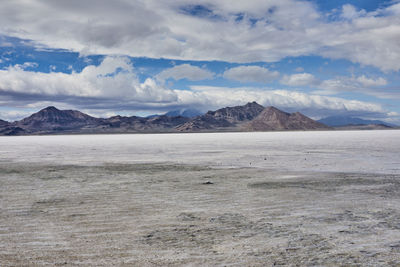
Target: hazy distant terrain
(255, 199)
(339, 121)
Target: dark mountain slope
(4, 123)
(223, 118)
(160, 123)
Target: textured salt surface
(340, 151)
(314, 199)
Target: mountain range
(249, 117)
(340, 121)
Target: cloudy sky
(139, 57)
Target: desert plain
(318, 198)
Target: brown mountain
(53, 119)
(273, 119)
(224, 118)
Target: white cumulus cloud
(300, 79)
(350, 12)
(234, 31)
(185, 71)
(371, 82)
(251, 74)
(113, 78)
(360, 84)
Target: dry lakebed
(329, 198)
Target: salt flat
(343, 151)
(255, 199)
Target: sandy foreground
(240, 199)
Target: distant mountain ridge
(337, 121)
(188, 113)
(364, 127)
(4, 123)
(249, 117)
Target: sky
(142, 57)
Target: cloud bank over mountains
(114, 85)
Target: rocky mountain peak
(271, 119)
(223, 118)
(238, 113)
(253, 104)
(49, 109)
(51, 117)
